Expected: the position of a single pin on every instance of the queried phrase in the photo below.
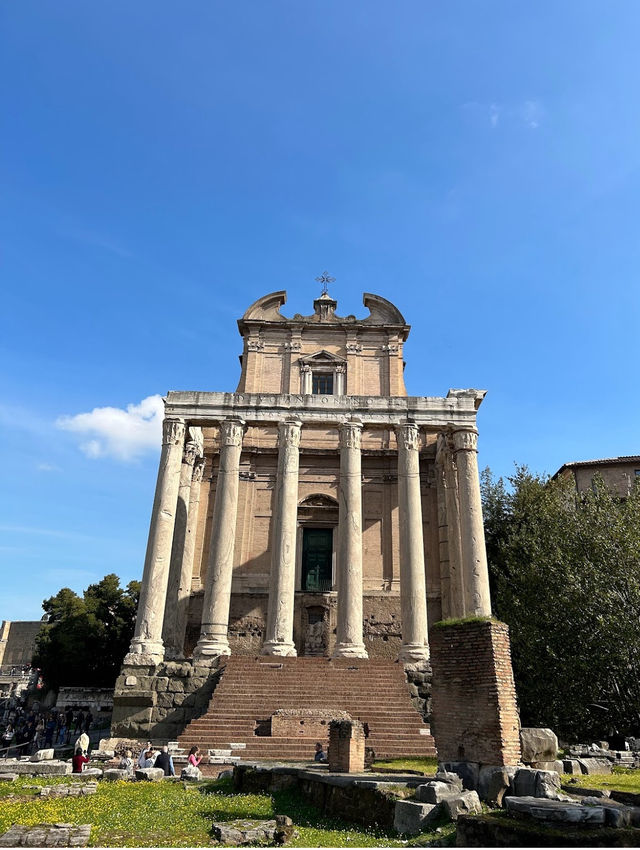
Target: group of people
(28, 730)
(151, 756)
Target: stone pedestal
(475, 715)
(279, 632)
(217, 595)
(147, 646)
(413, 594)
(346, 746)
(349, 641)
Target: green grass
(424, 765)
(463, 621)
(622, 779)
(141, 814)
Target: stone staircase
(252, 689)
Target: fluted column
(458, 603)
(214, 640)
(186, 572)
(146, 645)
(413, 593)
(474, 553)
(279, 633)
(349, 626)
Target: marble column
(147, 646)
(349, 643)
(458, 604)
(474, 553)
(173, 647)
(186, 572)
(413, 592)
(282, 583)
(214, 640)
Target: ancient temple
(318, 510)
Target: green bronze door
(317, 549)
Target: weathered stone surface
(94, 772)
(47, 835)
(237, 833)
(590, 766)
(494, 782)
(556, 765)
(468, 771)
(538, 745)
(43, 755)
(113, 775)
(524, 782)
(8, 777)
(555, 811)
(571, 766)
(76, 789)
(435, 792)
(149, 774)
(547, 784)
(412, 817)
(462, 804)
(36, 768)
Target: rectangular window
(322, 384)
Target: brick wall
(346, 746)
(475, 714)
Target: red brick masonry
(475, 713)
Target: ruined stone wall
(475, 714)
(18, 641)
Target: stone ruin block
(538, 745)
(47, 835)
(412, 817)
(43, 755)
(346, 746)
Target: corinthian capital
(190, 453)
(465, 441)
(351, 435)
(172, 432)
(407, 435)
(289, 433)
(231, 431)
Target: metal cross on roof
(325, 279)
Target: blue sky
(165, 164)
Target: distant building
(618, 473)
(18, 642)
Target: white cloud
(48, 467)
(114, 432)
(531, 113)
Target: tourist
(194, 758)
(7, 738)
(164, 761)
(79, 761)
(126, 762)
(320, 754)
(149, 759)
(143, 754)
(88, 721)
(49, 732)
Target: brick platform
(475, 714)
(252, 689)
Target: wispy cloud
(125, 434)
(529, 112)
(47, 467)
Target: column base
(284, 650)
(144, 652)
(350, 650)
(413, 653)
(209, 648)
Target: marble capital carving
(198, 470)
(172, 431)
(289, 433)
(409, 435)
(466, 441)
(231, 432)
(351, 435)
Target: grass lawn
(150, 814)
(622, 779)
(424, 765)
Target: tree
(565, 572)
(85, 639)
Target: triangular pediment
(322, 356)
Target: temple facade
(318, 509)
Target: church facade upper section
(323, 354)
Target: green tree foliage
(85, 639)
(565, 571)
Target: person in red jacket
(79, 761)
